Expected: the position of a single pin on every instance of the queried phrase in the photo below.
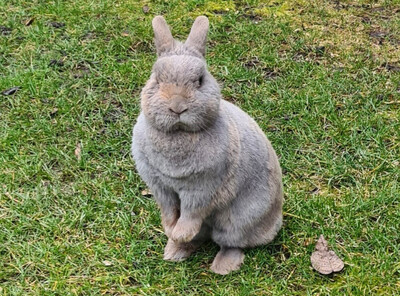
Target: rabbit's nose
(178, 105)
(178, 110)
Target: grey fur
(213, 172)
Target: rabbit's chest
(183, 156)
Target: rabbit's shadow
(275, 250)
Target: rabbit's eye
(200, 81)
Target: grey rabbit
(211, 169)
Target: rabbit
(211, 169)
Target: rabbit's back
(255, 214)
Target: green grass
(322, 78)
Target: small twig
(12, 198)
(291, 273)
(295, 216)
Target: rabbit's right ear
(198, 34)
(162, 35)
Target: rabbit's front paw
(169, 222)
(186, 229)
(168, 229)
(175, 251)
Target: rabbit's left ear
(198, 34)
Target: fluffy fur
(212, 171)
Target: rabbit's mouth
(180, 126)
(180, 123)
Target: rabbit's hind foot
(227, 260)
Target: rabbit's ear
(162, 35)
(198, 34)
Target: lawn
(322, 79)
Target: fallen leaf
(107, 263)
(53, 112)
(392, 67)
(320, 50)
(270, 73)
(45, 183)
(252, 63)
(366, 20)
(146, 192)
(78, 151)
(323, 260)
(29, 21)
(377, 34)
(57, 63)
(5, 30)
(81, 71)
(146, 9)
(56, 24)
(11, 91)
